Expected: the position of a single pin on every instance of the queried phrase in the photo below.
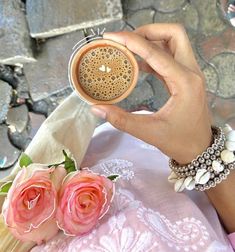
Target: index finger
(160, 61)
(176, 38)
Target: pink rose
(30, 207)
(84, 198)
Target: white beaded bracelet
(211, 167)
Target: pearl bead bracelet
(211, 167)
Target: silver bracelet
(211, 167)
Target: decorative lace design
(180, 235)
(59, 244)
(134, 228)
(123, 239)
(188, 234)
(118, 166)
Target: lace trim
(118, 166)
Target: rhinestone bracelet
(211, 167)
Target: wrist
(193, 148)
(209, 168)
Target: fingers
(160, 61)
(231, 8)
(164, 32)
(176, 38)
(137, 125)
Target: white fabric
(146, 215)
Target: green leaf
(69, 163)
(5, 187)
(113, 177)
(25, 160)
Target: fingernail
(98, 112)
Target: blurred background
(36, 40)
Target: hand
(181, 128)
(231, 8)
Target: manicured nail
(98, 112)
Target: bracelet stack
(211, 167)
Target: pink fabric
(232, 239)
(146, 215)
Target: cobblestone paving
(33, 73)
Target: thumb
(138, 125)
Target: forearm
(223, 195)
(223, 198)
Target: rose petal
(29, 209)
(84, 198)
(39, 235)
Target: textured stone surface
(223, 110)
(187, 16)
(8, 153)
(138, 4)
(225, 65)
(49, 104)
(7, 74)
(142, 77)
(14, 36)
(160, 93)
(69, 15)
(127, 27)
(212, 78)
(200, 60)
(50, 73)
(161, 5)
(217, 44)
(36, 121)
(5, 98)
(56, 99)
(138, 96)
(17, 80)
(116, 25)
(210, 22)
(141, 17)
(169, 5)
(17, 118)
(5, 172)
(40, 106)
(20, 140)
(22, 89)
